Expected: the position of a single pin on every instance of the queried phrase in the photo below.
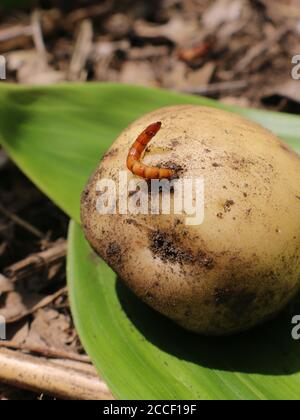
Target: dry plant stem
(37, 262)
(19, 221)
(43, 376)
(6, 34)
(38, 39)
(73, 364)
(48, 352)
(82, 51)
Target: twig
(41, 375)
(48, 352)
(21, 222)
(216, 88)
(82, 51)
(38, 39)
(44, 302)
(37, 262)
(17, 31)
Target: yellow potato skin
(242, 265)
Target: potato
(238, 268)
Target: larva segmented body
(133, 160)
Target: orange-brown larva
(133, 160)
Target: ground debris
(180, 45)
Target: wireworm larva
(133, 160)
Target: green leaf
(142, 355)
(57, 136)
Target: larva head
(153, 129)
(242, 264)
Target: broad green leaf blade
(57, 134)
(142, 355)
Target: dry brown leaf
(283, 10)
(223, 11)
(17, 59)
(174, 76)
(17, 306)
(139, 73)
(49, 328)
(30, 70)
(5, 285)
(18, 332)
(201, 77)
